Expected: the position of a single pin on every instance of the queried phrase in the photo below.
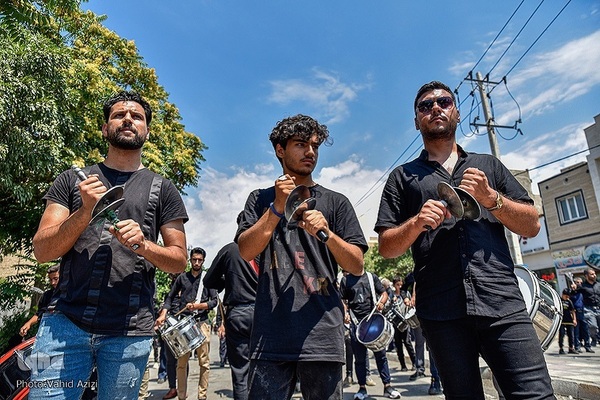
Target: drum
(375, 333)
(410, 316)
(396, 317)
(543, 305)
(182, 336)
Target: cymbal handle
(79, 172)
(322, 236)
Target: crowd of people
(286, 319)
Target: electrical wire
(372, 189)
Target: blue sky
(235, 68)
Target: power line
(371, 190)
(536, 40)
(557, 160)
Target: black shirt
(186, 289)
(231, 272)
(463, 267)
(299, 314)
(591, 294)
(357, 291)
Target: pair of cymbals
(459, 202)
(110, 201)
(300, 200)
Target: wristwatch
(499, 202)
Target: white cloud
(543, 150)
(324, 92)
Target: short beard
(121, 142)
(444, 134)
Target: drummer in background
(402, 338)
(44, 301)
(298, 327)
(356, 290)
(466, 290)
(186, 286)
(167, 357)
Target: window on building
(571, 207)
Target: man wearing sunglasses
(468, 300)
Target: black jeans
(238, 326)
(276, 380)
(509, 345)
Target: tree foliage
(57, 66)
(388, 267)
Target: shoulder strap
(372, 284)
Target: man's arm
(172, 257)
(395, 241)
(520, 218)
(254, 240)
(59, 229)
(348, 256)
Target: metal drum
(394, 315)
(543, 305)
(182, 336)
(375, 332)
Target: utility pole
(513, 240)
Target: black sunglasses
(425, 106)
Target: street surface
(581, 370)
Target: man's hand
(129, 233)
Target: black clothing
(186, 288)
(44, 302)
(299, 313)
(567, 307)
(591, 294)
(231, 272)
(464, 267)
(357, 291)
(105, 287)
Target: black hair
(127, 95)
(397, 279)
(301, 126)
(52, 269)
(431, 86)
(198, 250)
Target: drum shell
(375, 333)
(183, 337)
(396, 317)
(543, 305)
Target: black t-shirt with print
(299, 313)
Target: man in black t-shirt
(239, 278)
(298, 329)
(467, 296)
(102, 312)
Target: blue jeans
(509, 345)
(64, 356)
(361, 361)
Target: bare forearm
(55, 241)
(253, 241)
(393, 242)
(169, 259)
(519, 218)
(348, 256)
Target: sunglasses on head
(444, 103)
